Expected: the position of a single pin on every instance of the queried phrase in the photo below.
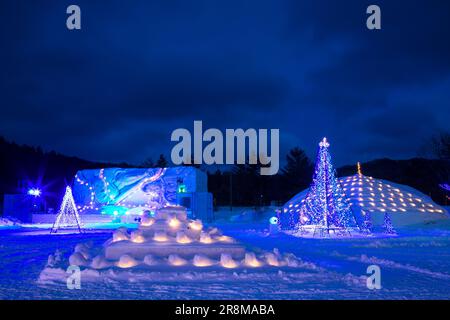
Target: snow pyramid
(167, 244)
(406, 205)
(170, 235)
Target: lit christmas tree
(387, 224)
(367, 222)
(326, 207)
(68, 214)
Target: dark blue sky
(137, 70)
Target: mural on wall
(121, 190)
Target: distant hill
(422, 174)
(23, 166)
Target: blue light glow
(35, 192)
(273, 220)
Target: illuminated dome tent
(122, 192)
(405, 205)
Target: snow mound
(4, 222)
(78, 259)
(127, 261)
(203, 261)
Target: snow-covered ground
(414, 265)
(4, 222)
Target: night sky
(115, 90)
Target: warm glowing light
(272, 260)
(205, 238)
(147, 221)
(251, 260)
(119, 236)
(174, 223)
(227, 261)
(137, 237)
(176, 260)
(160, 236)
(202, 261)
(225, 239)
(183, 238)
(126, 261)
(196, 225)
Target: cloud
(135, 72)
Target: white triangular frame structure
(68, 216)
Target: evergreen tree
(162, 162)
(441, 145)
(297, 171)
(148, 163)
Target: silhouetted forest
(24, 166)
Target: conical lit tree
(367, 222)
(387, 224)
(326, 206)
(68, 214)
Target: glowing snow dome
(376, 195)
(406, 205)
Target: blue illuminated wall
(124, 189)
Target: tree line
(24, 166)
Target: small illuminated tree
(68, 214)
(367, 221)
(387, 224)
